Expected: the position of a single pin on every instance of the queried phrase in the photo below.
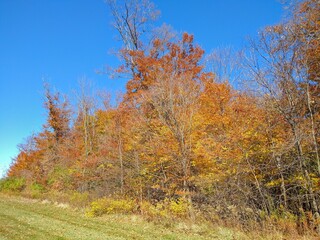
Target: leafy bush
(35, 190)
(79, 199)
(109, 206)
(179, 208)
(12, 184)
(37, 187)
(167, 208)
(153, 211)
(59, 179)
(284, 221)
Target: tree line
(230, 132)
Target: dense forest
(227, 135)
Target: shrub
(283, 221)
(37, 187)
(167, 208)
(179, 208)
(12, 184)
(157, 211)
(79, 199)
(35, 190)
(109, 206)
(59, 179)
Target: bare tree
(131, 20)
(225, 64)
(86, 110)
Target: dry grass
(22, 218)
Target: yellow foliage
(108, 206)
(166, 209)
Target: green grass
(22, 218)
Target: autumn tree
(166, 93)
(132, 20)
(27, 164)
(58, 114)
(280, 67)
(186, 128)
(306, 28)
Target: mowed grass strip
(26, 219)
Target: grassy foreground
(22, 218)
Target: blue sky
(63, 41)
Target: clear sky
(63, 41)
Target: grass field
(22, 218)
